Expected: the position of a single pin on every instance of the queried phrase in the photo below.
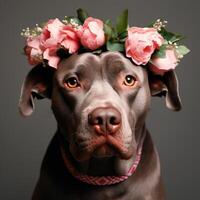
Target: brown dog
(100, 103)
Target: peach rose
(91, 33)
(161, 65)
(141, 43)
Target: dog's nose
(105, 120)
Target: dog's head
(99, 101)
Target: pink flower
(91, 33)
(50, 36)
(161, 65)
(33, 50)
(55, 35)
(141, 43)
(69, 39)
(50, 40)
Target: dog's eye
(129, 80)
(71, 82)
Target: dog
(100, 103)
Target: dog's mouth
(104, 151)
(102, 146)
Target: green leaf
(123, 35)
(73, 20)
(176, 38)
(114, 46)
(182, 50)
(161, 52)
(122, 40)
(122, 22)
(172, 37)
(108, 31)
(82, 15)
(114, 36)
(108, 22)
(167, 35)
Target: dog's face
(99, 101)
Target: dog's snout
(105, 120)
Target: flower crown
(152, 46)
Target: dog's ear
(38, 83)
(167, 86)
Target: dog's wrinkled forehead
(107, 65)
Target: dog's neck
(107, 166)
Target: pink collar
(100, 180)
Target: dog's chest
(114, 193)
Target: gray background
(23, 141)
